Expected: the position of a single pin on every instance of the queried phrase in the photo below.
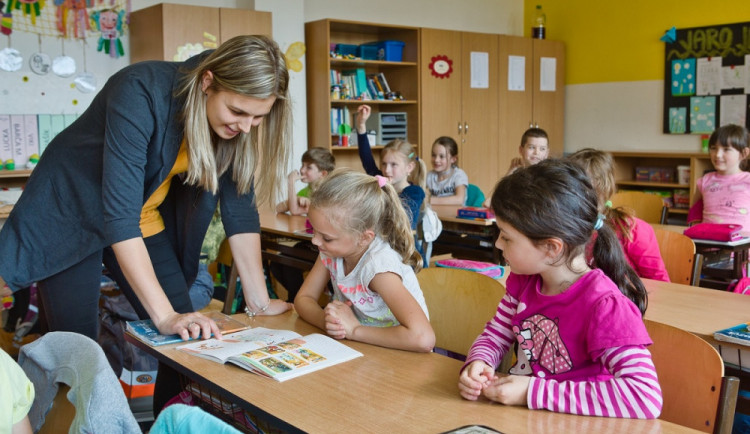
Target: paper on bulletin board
(547, 76)
(708, 76)
(733, 77)
(480, 70)
(732, 110)
(516, 73)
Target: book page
(237, 343)
(295, 357)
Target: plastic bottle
(540, 24)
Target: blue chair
(474, 196)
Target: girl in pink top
(636, 236)
(726, 192)
(581, 338)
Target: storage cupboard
(169, 31)
(459, 74)
(324, 109)
(532, 91)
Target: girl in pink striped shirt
(580, 334)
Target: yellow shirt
(151, 220)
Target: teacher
(134, 181)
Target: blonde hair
(600, 168)
(418, 176)
(251, 66)
(356, 202)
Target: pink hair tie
(382, 180)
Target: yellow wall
(615, 40)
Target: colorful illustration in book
(275, 365)
(291, 360)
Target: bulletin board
(707, 78)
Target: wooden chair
(680, 257)
(691, 374)
(648, 207)
(460, 303)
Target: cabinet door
(235, 22)
(516, 65)
(441, 94)
(157, 32)
(549, 105)
(479, 144)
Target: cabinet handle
(466, 128)
(459, 128)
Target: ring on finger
(191, 323)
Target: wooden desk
(280, 233)
(739, 248)
(384, 391)
(700, 311)
(466, 238)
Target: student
(724, 196)
(134, 182)
(16, 397)
(534, 148)
(446, 182)
(367, 251)
(580, 333)
(316, 163)
(636, 236)
(404, 170)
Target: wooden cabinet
(541, 102)
(320, 38)
(463, 104)
(161, 31)
(627, 162)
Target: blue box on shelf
(392, 51)
(346, 49)
(367, 52)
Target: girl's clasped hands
(478, 378)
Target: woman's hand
(474, 378)
(363, 113)
(189, 325)
(508, 390)
(340, 319)
(275, 307)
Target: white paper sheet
(548, 74)
(708, 76)
(480, 70)
(516, 73)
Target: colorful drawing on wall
(188, 50)
(109, 23)
(295, 52)
(702, 114)
(677, 120)
(441, 66)
(683, 77)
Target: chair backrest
(460, 303)
(648, 207)
(680, 258)
(474, 195)
(691, 375)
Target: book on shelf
(145, 331)
(739, 334)
(384, 82)
(277, 354)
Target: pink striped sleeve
(634, 391)
(497, 337)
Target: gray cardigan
(88, 189)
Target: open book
(739, 334)
(279, 354)
(145, 331)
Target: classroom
(470, 71)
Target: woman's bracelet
(252, 313)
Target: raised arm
(363, 142)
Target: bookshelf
(402, 77)
(11, 179)
(627, 162)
